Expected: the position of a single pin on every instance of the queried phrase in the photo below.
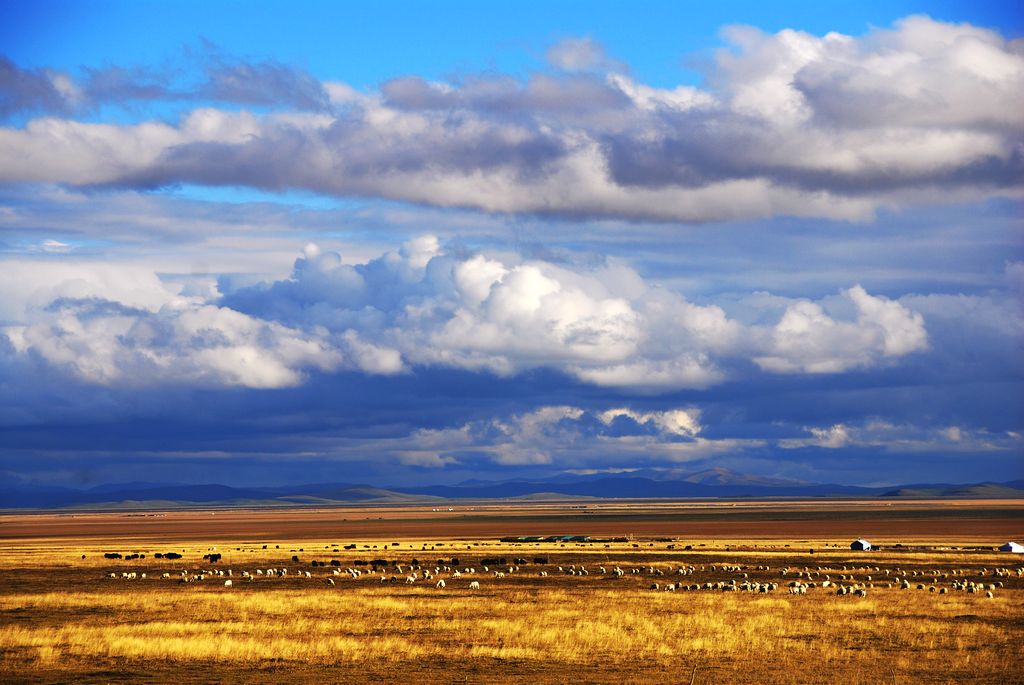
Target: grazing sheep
(227, 583)
(475, 585)
(440, 584)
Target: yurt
(860, 545)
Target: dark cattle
(378, 562)
(214, 557)
(455, 562)
(540, 560)
(112, 555)
(335, 562)
(350, 546)
(158, 555)
(172, 555)
(359, 562)
(519, 561)
(295, 558)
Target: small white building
(1012, 547)
(860, 545)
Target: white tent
(860, 545)
(1012, 547)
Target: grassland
(62, 618)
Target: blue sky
(406, 243)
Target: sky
(415, 243)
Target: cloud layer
(423, 307)
(789, 124)
(518, 274)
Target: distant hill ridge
(640, 484)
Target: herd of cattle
(842, 580)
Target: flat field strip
(536, 618)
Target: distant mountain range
(712, 483)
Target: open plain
(661, 592)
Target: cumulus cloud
(568, 436)
(604, 325)
(808, 340)
(421, 306)
(828, 126)
(184, 342)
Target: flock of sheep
(840, 581)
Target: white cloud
(676, 421)
(833, 126)
(577, 54)
(906, 438)
(184, 342)
(565, 436)
(808, 340)
(420, 306)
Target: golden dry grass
(61, 619)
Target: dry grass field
(63, 618)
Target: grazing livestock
(440, 584)
(475, 585)
(227, 583)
